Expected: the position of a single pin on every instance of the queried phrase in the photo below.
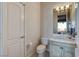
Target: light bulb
(57, 8)
(67, 6)
(76, 5)
(62, 8)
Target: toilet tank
(44, 41)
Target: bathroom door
(15, 31)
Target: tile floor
(46, 54)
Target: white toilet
(42, 47)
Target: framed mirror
(64, 19)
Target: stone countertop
(69, 41)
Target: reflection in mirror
(64, 19)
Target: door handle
(22, 36)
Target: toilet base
(41, 55)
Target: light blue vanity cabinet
(55, 51)
(59, 49)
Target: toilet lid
(41, 47)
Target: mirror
(64, 19)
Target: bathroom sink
(63, 38)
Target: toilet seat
(41, 48)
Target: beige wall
(47, 17)
(32, 26)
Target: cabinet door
(69, 52)
(55, 51)
(61, 50)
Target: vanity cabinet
(59, 49)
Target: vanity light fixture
(62, 8)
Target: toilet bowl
(42, 47)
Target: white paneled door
(15, 33)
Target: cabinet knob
(61, 47)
